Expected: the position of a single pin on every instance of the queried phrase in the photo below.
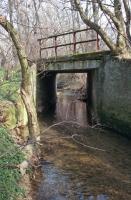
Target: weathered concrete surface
(73, 63)
(112, 94)
(46, 92)
(110, 84)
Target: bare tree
(116, 17)
(26, 84)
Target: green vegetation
(11, 105)
(10, 157)
(9, 88)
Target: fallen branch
(72, 137)
(20, 147)
(69, 122)
(94, 148)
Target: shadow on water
(72, 171)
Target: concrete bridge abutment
(108, 86)
(46, 92)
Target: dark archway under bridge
(49, 68)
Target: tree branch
(109, 13)
(26, 83)
(121, 42)
(95, 26)
(20, 52)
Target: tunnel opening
(71, 97)
(66, 96)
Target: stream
(80, 162)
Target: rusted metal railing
(73, 43)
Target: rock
(14, 116)
(8, 114)
(23, 167)
(28, 151)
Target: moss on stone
(13, 115)
(8, 112)
(21, 112)
(111, 120)
(74, 57)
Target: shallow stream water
(80, 162)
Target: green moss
(8, 111)
(9, 95)
(74, 57)
(121, 125)
(21, 112)
(10, 155)
(91, 55)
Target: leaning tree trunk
(26, 84)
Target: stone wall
(112, 93)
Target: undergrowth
(10, 157)
(9, 88)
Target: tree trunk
(26, 84)
(121, 36)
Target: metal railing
(74, 43)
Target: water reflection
(72, 110)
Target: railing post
(97, 42)
(74, 42)
(40, 48)
(55, 46)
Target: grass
(10, 176)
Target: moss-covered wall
(112, 93)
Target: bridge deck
(73, 63)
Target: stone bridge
(108, 83)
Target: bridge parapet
(78, 41)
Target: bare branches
(95, 26)
(108, 12)
(116, 16)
